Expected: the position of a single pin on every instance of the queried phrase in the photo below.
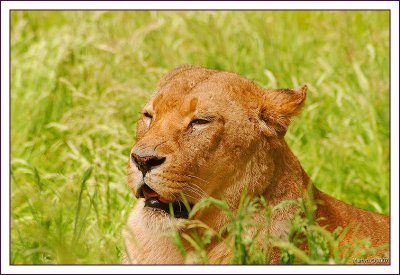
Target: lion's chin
(155, 213)
(158, 220)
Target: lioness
(213, 133)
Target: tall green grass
(79, 79)
(250, 243)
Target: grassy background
(79, 79)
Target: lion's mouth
(155, 201)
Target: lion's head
(208, 133)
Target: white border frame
(6, 268)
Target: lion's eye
(146, 114)
(149, 119)
(199, 122)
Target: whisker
(192, 184)
(191, 197)
(179, 203)
(198, 188)
(186, 175)
(195, 177)
(194, 188)
(180, 207)
(194, 192)
(187, 195)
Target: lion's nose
(146, 163)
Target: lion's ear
(278, 107)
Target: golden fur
(242, 147)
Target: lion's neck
(289, 180)
(278, 178)
(274, 173)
